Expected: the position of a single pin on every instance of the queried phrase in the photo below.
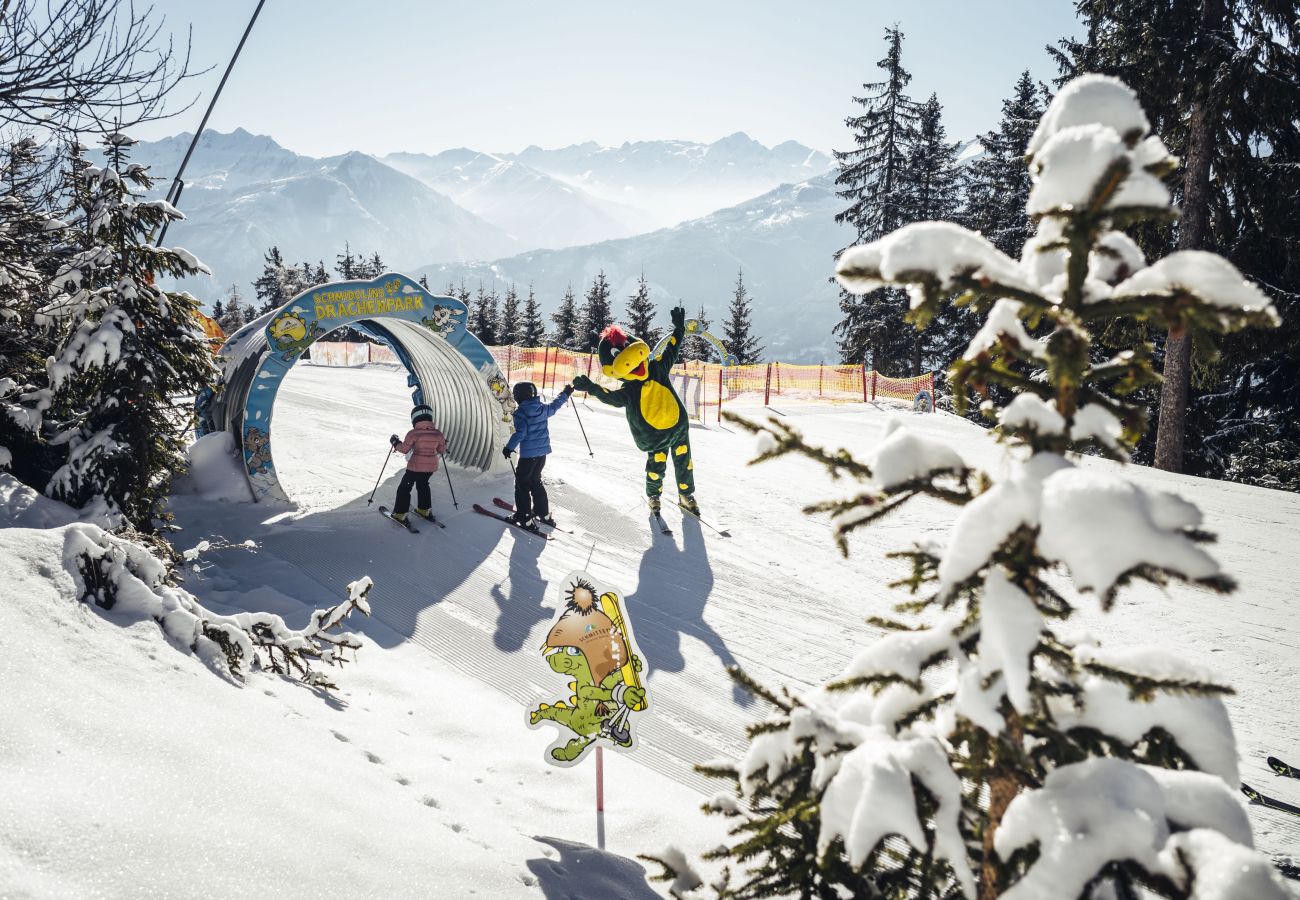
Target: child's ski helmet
(421, 413)
(523, 390)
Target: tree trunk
(1003, 787)
(1193, 234)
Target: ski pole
(447, 472)
(381, 474)
(583, 430)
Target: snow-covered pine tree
(934, 195)
(594, 315)
(218, 310)
(134, 349)
(566, 321)
(484, 316)
(1192, 64)
(738, 331)
(269, 286)
(508, 327)
(30, 247)
(374, 266)
(235, 315)
(347, 265)
(532, 330)
(999, 753)
(640, 318)
(872, 177)
(424, 281)
(697, 348)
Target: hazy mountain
(535, 208)
(677, 180)
(784, 240)
(245, 193)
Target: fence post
(767, 386)
(821, 372)
(864, 382)
(546, 361)
(510, 358)
(778, 378)
(873, 385)
(721, 369)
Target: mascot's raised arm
(655, 413)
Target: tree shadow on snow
(673, 587)
(524, 607)
(585, 873)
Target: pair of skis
(406, 523)
(664, 529)
(1255, 796)
(509, 507)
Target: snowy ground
(421, 776)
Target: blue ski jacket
(532, 435)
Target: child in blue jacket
(533, 438)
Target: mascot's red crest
(616, 336)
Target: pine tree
(348, 266)
(872, 177)
(566, 321)
(697, 348)
(641, 314)
(595, 314)
(980, 733)
(375, 266)
(934, 194)
(997, 183)
(133, 348)
(484, 318)
(424, 281)
(32, 242)
(269, 286)
(320, 275)
(532, 330)
(235, 315)
(737, 333)
(1221, 80)
(218, 311)
(508, 329)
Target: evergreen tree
(1221, 80)
(219, 311)
(997, 183)
(697, 348)
(508, 329)
(595, 314)
(999, 749)
(532, 330)
(269, 286)
(934, 194)
(320, 275)
(484, 317)
(872, 177)
(348, 266)
(375, 266)
(235, 315)
(566, 321)
(424, 281)
(738, 333)
(641, 314)
(133, 347)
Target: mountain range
(690, 215)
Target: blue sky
(326, 76)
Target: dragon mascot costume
(655, 413)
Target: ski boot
(687, 502)
(400, 517)
(656, 503)
(523, 521)
(424, 513)
(548, 521)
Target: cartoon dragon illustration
(590, 641)
(257, 449)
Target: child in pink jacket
(423, 445)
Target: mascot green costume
(654, 411)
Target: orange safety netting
(552, 367)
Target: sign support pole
(600, 797)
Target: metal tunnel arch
(448, 368)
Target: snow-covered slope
(421, 779)
(537, 209)
(678, 180)
(782, 240)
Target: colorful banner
(591, 646)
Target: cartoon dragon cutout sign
(590, 643)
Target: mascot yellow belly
(659, 406)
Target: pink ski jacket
(423, 444)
